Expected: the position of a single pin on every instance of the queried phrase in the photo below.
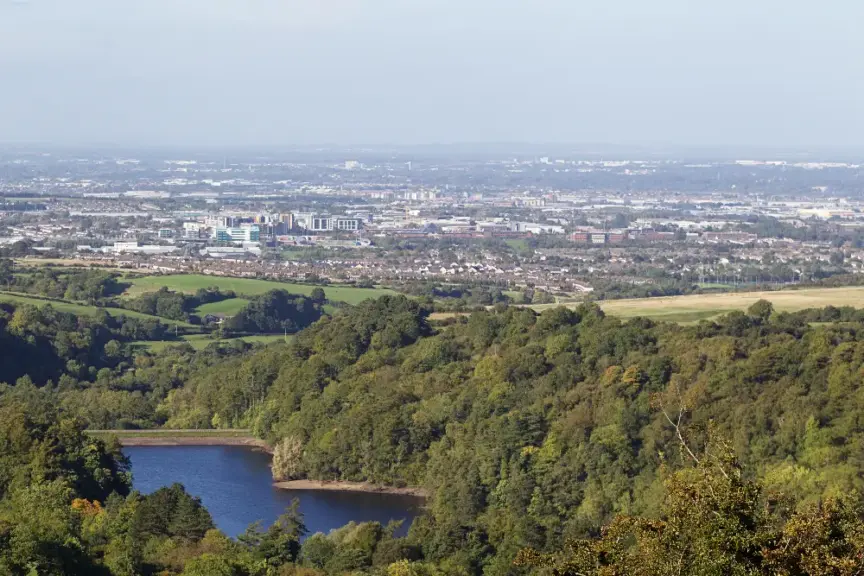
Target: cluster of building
(517, 220)
(255, 228)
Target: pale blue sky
(281, 72)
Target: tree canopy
(569, 441)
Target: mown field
(189, 283)
(704, 306)
(691, 309)
(85, 310)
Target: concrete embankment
(184, 438)
(340, 486)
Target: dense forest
(45, 345)
(278, 311)
(732, 446)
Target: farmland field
(83, 309)
(228, 307)
(189, 283)
(689, 309)
(703, 306)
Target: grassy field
(518, 244)
(85, 310)
(201, 341)
(690, 309)
(703, 306)
(514, 295)
(189, 283)
(227, 307)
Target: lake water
(235, 485)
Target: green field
(201, 341)
(189, 283)
(518, 244)
(85, 310)
(227, 307)
(266, 338)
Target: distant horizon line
(467, 147)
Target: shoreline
(254, 443)
(343, 486)
(169, 438)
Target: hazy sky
(264, 72)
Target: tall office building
(242, 234)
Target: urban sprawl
(544, 227)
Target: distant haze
(284, 72)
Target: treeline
(174, 305)
(467, 295)
(278, 311)
(615, 290)
(461, 297)
(89, 286)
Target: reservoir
(236, 486)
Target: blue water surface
(235, 485)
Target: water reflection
(235, 485)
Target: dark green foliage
(276, 311)
(45, 344)
(550, 420)
(455, 297)
(89, 286)
(6, 270)
(172, 305)
(526, 430)
(280, 544)
(38, 444)
(171, 512)
(714, 521)
(317, 296)
(45, 462)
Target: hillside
(553, 420)
(556, 423)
